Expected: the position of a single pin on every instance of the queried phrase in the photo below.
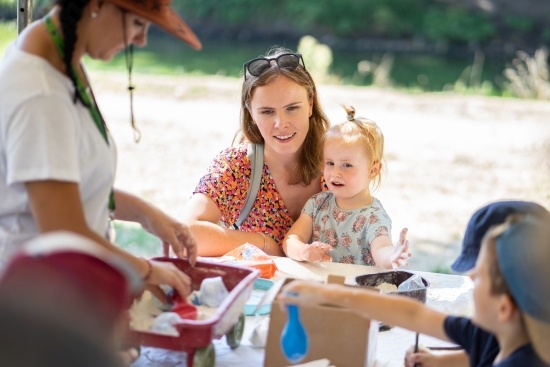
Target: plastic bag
(213, 291)
(251, 256)
(414, 282)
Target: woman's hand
(172, 234)
(401, 251)
(167, 273)
(317, 252)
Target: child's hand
(302, 293)
(316, 251)
(401, 251)
(422, 358)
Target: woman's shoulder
(230, 161)
(234, 151)
(25, 74)
(237, 155)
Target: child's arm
(388, 256)
(424, 358)
(390, 309)
(295, 244)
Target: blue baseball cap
(523, 252)
(483, 219)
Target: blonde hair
(363, 131)
(311, 154)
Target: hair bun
(351, 113)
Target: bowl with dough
(389, 281)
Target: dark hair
(311, 154)
(70, 15)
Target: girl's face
(348, 173)
(107, 39)
(486, 304)
(281, 109)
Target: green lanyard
(89, 102)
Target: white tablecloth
(447, 293)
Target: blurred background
(461, 89)
(420, 45)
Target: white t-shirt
(44, 135)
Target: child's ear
(507, 309)
(375, 170)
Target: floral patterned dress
(349, 232)
(227, 182)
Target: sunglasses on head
(257, 67)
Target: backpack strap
(255, 153)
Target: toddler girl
(347, 224)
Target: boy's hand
(422, 358)
(401, 251)
(316, 251)
(302, 293)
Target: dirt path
(446, 155)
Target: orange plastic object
(251, 256)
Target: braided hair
(70, 15)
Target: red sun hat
(161, 14)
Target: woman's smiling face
(281, 110)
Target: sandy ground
(447, 155)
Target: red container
(197, 335)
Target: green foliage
(529, 77)
(318, 56)
(441, 269)
(519, 23)
(433, 19)
(470, 80)
(352, 18)
(8, 9)
(456, 24)
(8, 32)
(134, 239)
(380, 70)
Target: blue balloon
(294, 340)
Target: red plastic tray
(199, 333)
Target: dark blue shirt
(482, 347)
(523, 356)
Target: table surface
(447, 293)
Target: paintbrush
(416, 348)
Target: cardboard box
(341, 336)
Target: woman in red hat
(58, 160)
